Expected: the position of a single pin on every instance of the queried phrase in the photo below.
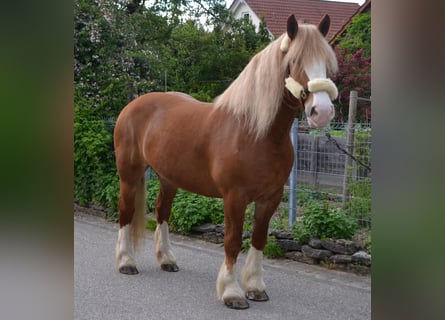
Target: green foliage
(362, 149)
(188, 209)
(358, 34)
(95, 178)
(353, 52)
(191, 210)
(359, 203)
(125, 50)
(151, 224)
(321, 220)
(272, 250)
(152, 194)
(247, 243)
(301, 233)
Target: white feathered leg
(252, 276)
(125, 251)
(163, 251)
(228, 289)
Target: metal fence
(325, 172)
(332, 165)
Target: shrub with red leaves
(354, 73)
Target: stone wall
(338, 254)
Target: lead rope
(328, 135)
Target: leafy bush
(191, 210)
(321, 220)
(188, 209)
(95, 177)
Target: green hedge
(95, 177)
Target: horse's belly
(184, 165)
(190, 179)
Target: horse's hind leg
(163, 251)
(131, 223)
(252, 274)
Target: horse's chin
(312, 124)
(317, 124)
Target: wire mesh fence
(326, 173)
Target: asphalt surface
(296, 290)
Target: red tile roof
(366, 6)
(276, 13)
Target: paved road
(297, 291)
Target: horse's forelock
(309, 47)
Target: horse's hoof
(237, 304)
(128, 270)
(170, 267)
(257, 295)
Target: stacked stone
(336, 254)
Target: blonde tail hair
(138, 221)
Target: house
(365, 7)
(276, 12)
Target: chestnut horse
(237, 148)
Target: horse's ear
(324, 25)
(292, 27)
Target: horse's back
(138, 114)
(170, 133)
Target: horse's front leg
(227, 286)
(164, 203)
(252, 274)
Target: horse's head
(308, 58)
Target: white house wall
(241, 9)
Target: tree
(116, 51)
(353, 52)
(358, 35)
(123, 49)
(354, 74)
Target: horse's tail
(138, 220)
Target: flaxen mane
(257, 92)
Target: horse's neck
(285, 117)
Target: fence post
(314, 161)
(293, 176)
(349, 143)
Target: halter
(315, 85)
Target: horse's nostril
(313, 112)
